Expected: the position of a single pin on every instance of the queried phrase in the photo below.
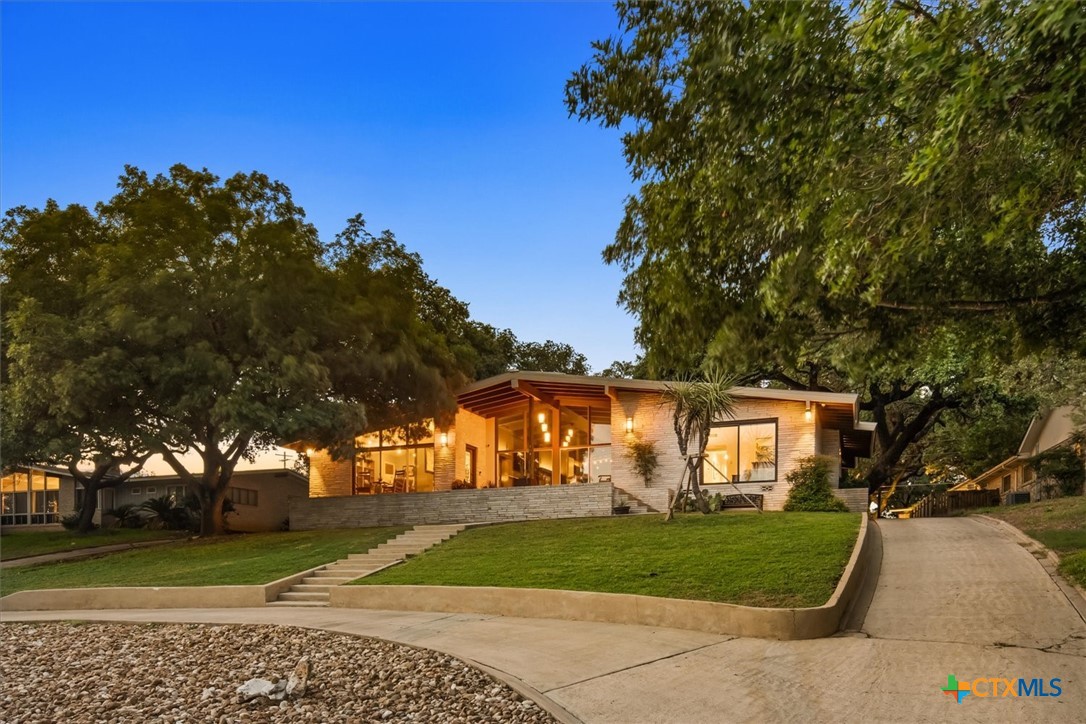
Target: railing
(952, 501)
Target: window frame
(776, 450)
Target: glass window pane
(721, 454)
(543, 468)
(511, 432)
(370, 439)
(601, 426)
(758, 451)
(37, 479)
(600, 465)
(574, 466)
(511, 470)
(574, 427)
(542, 426)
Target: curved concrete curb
(719, 618)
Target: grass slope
(20, 544)
(251, 558)
(773, 559)
(1060, 524)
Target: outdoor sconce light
(309, 452)
(807, 414)
(629, 424)
(444, 439)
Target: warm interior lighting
(542, 416)
(565, 443)
(546, 437)
(807, 414)
(569, 432)
(629, 424)
(543, 427)
(309, 452)
(444, 439)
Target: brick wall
(452, 506)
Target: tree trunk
(211, 518)
(90, 505)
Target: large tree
(221, 325)
(886, 197)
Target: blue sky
(443, 122)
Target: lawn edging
(782, 624)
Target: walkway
(84, 552)
(956, 596)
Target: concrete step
(376, 558)
(311, 588)
(309, 604)
(303, 596)
(324, 580)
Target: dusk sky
(442, 122)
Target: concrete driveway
(956, 596)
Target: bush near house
(811, 491)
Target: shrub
(811, 490)
(716, 502)
(127, 516)
(70, 521)
(643, 455)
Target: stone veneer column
(329, 477)
(444, 459)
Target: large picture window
(389, 462)
(742, 452)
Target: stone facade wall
(855, 498)
(452, 506)
(328, 477)
(652, 421)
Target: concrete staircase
(313, 590)
(620, 499)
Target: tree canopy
(190, 313)
(885, 197)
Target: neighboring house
(527, 429)
(36, 495)
(1016, 475)
(260, 497)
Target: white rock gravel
(119, 673)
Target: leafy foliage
(884, 198)
(645, 460)
(811, 491)
(1063, 467)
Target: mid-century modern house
(37, 495)
(541, 430)
(1016, 477)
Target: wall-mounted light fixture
(629, 424)
(444, 439)
(310, 452)
(807, 414)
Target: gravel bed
(113, 672)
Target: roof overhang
(508, 392)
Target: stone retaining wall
(855, 498)
(491, 505)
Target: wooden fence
(951, 501)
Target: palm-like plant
(697, 401)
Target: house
(541, 430)
(37, 495)
(260, 497)
(1016, 477)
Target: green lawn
(21, 544)
(773, 559)
(1060, 524)
(250, 558)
